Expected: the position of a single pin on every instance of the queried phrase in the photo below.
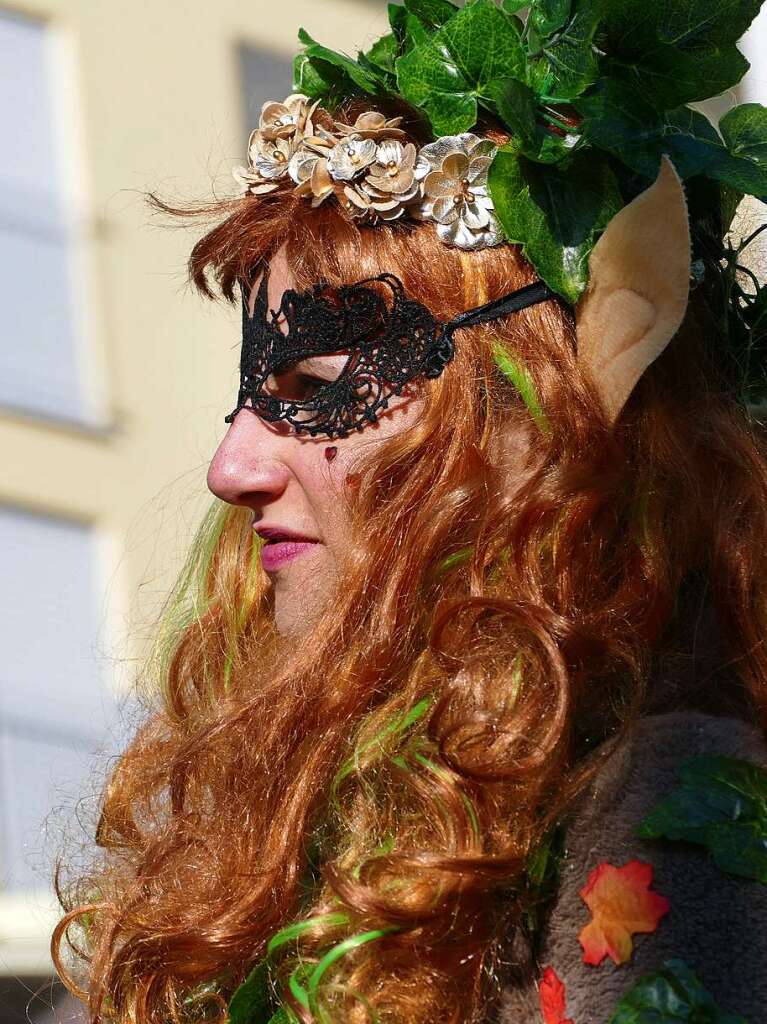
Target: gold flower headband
(373, 171)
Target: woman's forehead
(363, 264)
(280, 278)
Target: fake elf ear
(639, 285)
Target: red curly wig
(517, 583)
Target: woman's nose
(246, 468)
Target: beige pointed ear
(639, 285)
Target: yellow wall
(154, 102)
(160, 107)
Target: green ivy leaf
(409, 30)
(729, 201)
(446, 74)
(571, 60)
(674, 993)
(720, 803)
(555, 213)
(383, 53)
(548, 16)
(674, 52)
(517, 106)
(622, 122)
(512, 6)
(744, 130)
(431, 13)
(251, 1002)
(317, 78)
(354, 77)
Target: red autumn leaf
(551, 992)
(621, 904)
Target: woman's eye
(293, 385)
(310, 383)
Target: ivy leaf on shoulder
(251, 1002)
(676, 52)
(555, 213)
(720, 803)
(674, 993)
(447, 74)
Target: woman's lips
(275, 553)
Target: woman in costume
(462, 694)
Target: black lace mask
(391, 341)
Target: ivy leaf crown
(591, 93)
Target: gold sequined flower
(388, 185)
(250, 180)
(364, 205)
(270, 156)
(310, 172)
(281, 131)
(455, 195)
(292, 117)
(372, 125)
(392, 171)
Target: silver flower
(455, 195)
(270, 156)
(350, 156)
(267, 161)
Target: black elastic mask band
(503, 306)
(390, 343)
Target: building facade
(114, 376)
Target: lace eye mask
(389, 341)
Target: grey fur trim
(717, 923)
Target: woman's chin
(300, 595)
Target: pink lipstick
(281, 546)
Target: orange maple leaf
(551, 993)
(621, 904)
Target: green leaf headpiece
(589, 96)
